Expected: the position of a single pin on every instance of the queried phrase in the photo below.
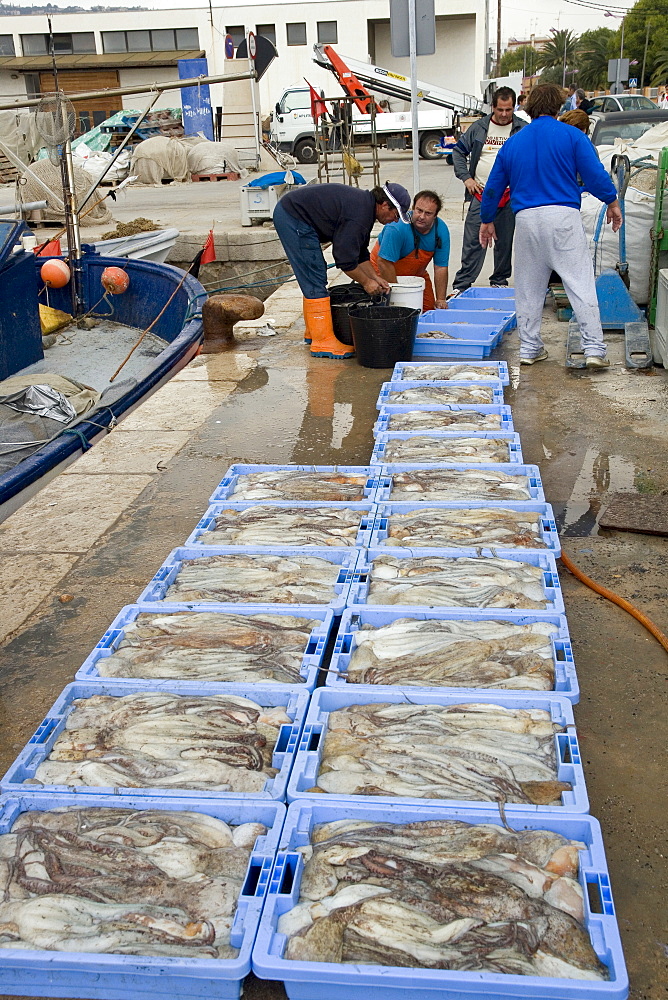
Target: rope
(621, 602)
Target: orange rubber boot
(318, 315)
(307, 332)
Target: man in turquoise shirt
(408, 249)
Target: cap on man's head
(400, 198)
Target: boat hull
(150, 288)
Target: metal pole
(618, 75)
(498, 39)
(415, 141)
(563, 78)
(644, 58)
(194, 81)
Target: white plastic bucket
(407, 291)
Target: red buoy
(55, 273)
(115, 280)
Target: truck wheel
(429, 142)
(306, 151)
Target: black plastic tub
(383, 335)
(342, 297)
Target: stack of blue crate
(471, 327)
(272, 884)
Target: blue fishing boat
(40, 432)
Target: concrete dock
(90, 540)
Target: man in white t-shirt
(473, 158)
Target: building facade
(104, 50)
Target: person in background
(541, 166)
(519, 108)
(569, 103)
(663, 102)
(473, 158)
(343, 216)
(408, 250)
(579, 119)
(582, 102)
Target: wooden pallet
(8, 172)
(230, 176)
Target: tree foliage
(644, 12)
(522, 58)
(560, 51)
(594, 49)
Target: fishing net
(43, 180)
(160, 158)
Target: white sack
(639, 207)
(160, 157)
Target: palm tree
(593, 63)
(560, 51)
(660, 68)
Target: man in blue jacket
(541, 165)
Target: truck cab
(292, 127)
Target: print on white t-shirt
(496, 136)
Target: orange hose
(610, 595)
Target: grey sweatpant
(552, 238)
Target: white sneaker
(594, 361)
(537, 357)
(455, 293)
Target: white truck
(293, 128)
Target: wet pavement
(590, 434)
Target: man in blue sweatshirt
(541, 165)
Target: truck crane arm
(333, 62)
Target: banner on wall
(196, 101)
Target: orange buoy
(55, 273)
(115, 280)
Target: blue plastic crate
(473, 347)
(293, 698)
(493, 303)
(330, 981)
(165, 576)
(545, 560)
(566, 682)
(112, 638)
(208, 522)
(497, 370)
(328, 699)
(548, 528)
(382, 425)
(487, 293)
(378, 455)
(531, 472)
(387, 388)
(143, 977)
(498, 318)
(225, 490)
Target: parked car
(621, 102)
(628, 125)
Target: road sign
(633, 82)
(252, 45)
(229, 47)
(425, 28)
(616, 72)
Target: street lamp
(618, 79)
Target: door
(89, 112)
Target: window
(296, 33)
(327, 32)
(296, 99)
(187, 38)
(114, 41)
(238, 33)
(7, 45)
(160, 40)
(268, 30)
(163, 40)
(63, 44)
(137, 41)
(34, 45)
(32, 85)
